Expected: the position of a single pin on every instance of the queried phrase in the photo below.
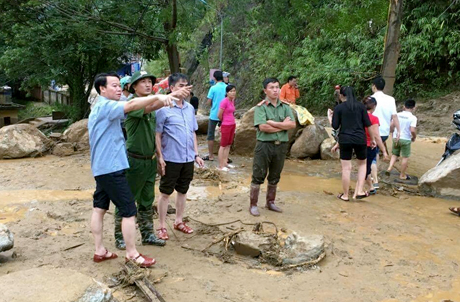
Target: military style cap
(139, 75)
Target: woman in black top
(350, 117)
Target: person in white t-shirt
(407, 135)
(386, 112)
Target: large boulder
(63, 149)
(294, 132)
(6, 238)
(22, 140)
(309, 141)
(245, 136)
(325, 149)
(47, 284)
(202, 121)
(77, 134)
(442, 181)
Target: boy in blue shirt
(215, 95)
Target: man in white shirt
(408, 133)
(386, 112)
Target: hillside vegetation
(326, 43)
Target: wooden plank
(144, 284)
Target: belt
(273, 142)
(134, 155)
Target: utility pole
(392, 45)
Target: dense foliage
(70, 41)
(338, 42)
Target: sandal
(362, 196)
(100, 258)
(163, 233)
(147, 262)
(407, 178)
(455, 210)
(207, 158)
(373, 192)
(343, 199)
(183, 228)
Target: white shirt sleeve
(413, 123)
(393, 106)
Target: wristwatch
(196, 155)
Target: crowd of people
(160, 138)
(362, 129)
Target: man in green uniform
(272, 118)
(140, 127)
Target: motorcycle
(453, 144)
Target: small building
(8, 109)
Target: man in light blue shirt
(177, 151)
(215, 95)
(109, 161)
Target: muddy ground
(386, 248)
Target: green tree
(72, 41)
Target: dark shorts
(211, 129)
(384, 139)
(227, 135)
(114, 187)
(177, 177)
(346, 151)
(371, 154)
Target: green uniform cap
(139, 75)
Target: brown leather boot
(254, 197)
(271, 195)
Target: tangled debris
(278, 249)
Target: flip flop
(207, 158)
(362, 196)
(407, 178)
(342, 199)
(373, 192)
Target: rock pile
(77, 134)
(22, 140)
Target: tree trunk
(173, 57)
(79, 99)
(171, 46)
(392, 45)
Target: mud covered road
(390, 247)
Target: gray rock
(325, 149)
(77, 134)
(202, 121)
(309, 142)
(6, 238)
(299, 249)
(22, 140)
(48, 284)
(442, 181)
(295, 132)
(63, 149)
(250, 244)
(245, 136)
